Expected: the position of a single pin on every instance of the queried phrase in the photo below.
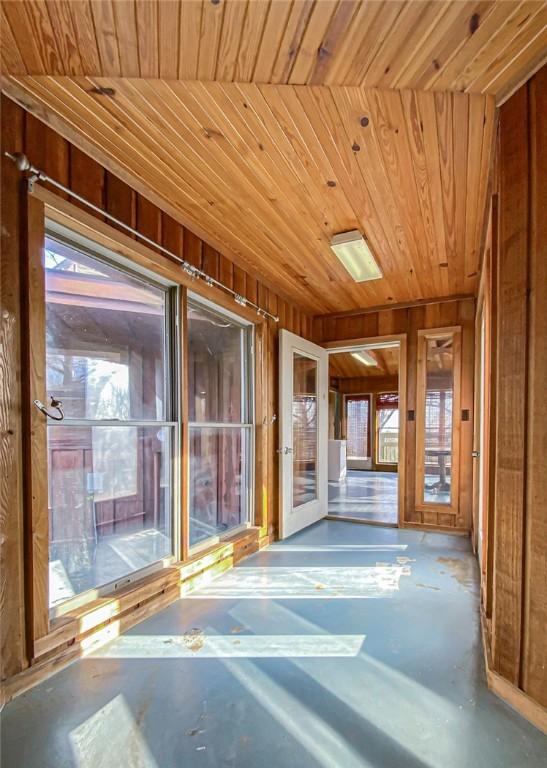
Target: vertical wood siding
(22, 132)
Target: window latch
(54, 404)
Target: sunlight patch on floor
(336, 547)
(305, 582)
(110, 731)
(210, 646)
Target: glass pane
(216, 352)
(304, 429)
(109, 504)
(357, 428)
(388, 435)
(218, 480)
(438, 420)
(105, 334)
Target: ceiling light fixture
(364, 357)
(353, 251)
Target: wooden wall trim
(184, 463)
(399, 305)
(509, 693)
(13, 652)
(35, 422)
(366, 385)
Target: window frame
(368, 398)
(44, 633)
(425, 335)
(172, 406)
(248, 406)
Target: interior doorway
(366, 435)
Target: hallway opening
(365, 446)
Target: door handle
(475, 454)
(284, 450)
(54, 404)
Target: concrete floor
(344, 646)
(365, 495)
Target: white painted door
(303, 432)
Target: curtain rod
(24, 165)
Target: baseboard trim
(347, 519)
(533, 712)
(436, 528)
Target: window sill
(144, 596)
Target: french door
(303, 433)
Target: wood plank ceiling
(267, 171)
(270, 173)
(343, 365)
(479, 47)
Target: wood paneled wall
(21, 132)
(517, 617)
(410, 320)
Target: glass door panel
(436, 449)
(303, 432)
(304, 429)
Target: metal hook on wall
(54, 404)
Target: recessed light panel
(364, 357)
(353, 251)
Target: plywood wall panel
(511, 385)
(87, 178)
(515, 584)
(534, 661)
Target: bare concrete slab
(346, 645)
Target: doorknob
(475, 454)
(54, 404)
(284, 450)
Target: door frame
(485, 414)
(351, 345)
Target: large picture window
(109, 335)
(220, 422)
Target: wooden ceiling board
(344, 365)
(270, 173)
(482, 46)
